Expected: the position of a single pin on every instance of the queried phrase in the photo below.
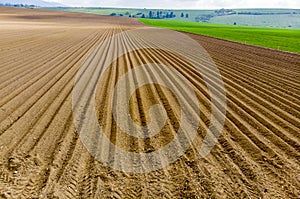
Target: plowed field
(42, 155)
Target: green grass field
(282, 39)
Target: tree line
(18, 5)
(153, 15)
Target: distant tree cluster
(115, 14)
(18, 5)
(160, 15)
(184, 15)
(153, 14)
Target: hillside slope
(39, 3)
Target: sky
(184, 4)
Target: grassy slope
(278, 21)
(283, 39)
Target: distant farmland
(281, 18)
(282, 39)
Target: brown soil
(41, 155)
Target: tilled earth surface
(42, 156)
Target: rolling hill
(39, 3)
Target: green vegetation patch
(282, 39)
